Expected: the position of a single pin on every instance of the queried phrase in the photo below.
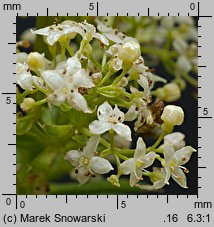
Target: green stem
(157, 142)
(62, 52)
(122, 156)
(119, 78)
(104, 60)
(117, 160)
(69, 49)
(111, 134)
(107, 76)
(40, 102)
(190, 80)
(102, 141)
(96, 63)
(94, 188)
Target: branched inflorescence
(98, 81)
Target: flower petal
(81, 79)
(53, 79)
(42, 31)
(122, 130)
(140, 150)
(54, 36)
(166, 172)
(78, 102)
(91, 146)
(133, 179)
(127, 166)
(99, 127)
(148, 159)
(131, 114)
(179, 177)
(24, 80)
(176, 139)
(82, 174)
(104, 111)
(118, 114)
(73, 63)
(183, 155)
(168, 152)
(100, 165)
(143, 81)
(73, 157)
(101, 38)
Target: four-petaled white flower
(86, 163)
(139, 110)
(134, 166)
(109, 118)
(69, 29)
(66, 82)
(174, 161)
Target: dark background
(189, 128)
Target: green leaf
(24, 124)
(28, 146)
(49, 115)
(59, 130)
(80, 139)
(65, 107)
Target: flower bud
(129, 52)
(169, 93)
(183, 65)
(36, 60)
(27, 104)
(172, 115)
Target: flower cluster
(100, 102)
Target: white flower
(86, 163)
(159, 178)
(70, 29)
(173, 115)
(109, 118)
(139, 110)
(174, 161)
(134, 166)
(90, 33)
(69, 67)
(66, 81)
(175, 139)
(23, 76)
(111, 34)
(54, 32)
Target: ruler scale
(126, 210)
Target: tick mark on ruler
(205, 117)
